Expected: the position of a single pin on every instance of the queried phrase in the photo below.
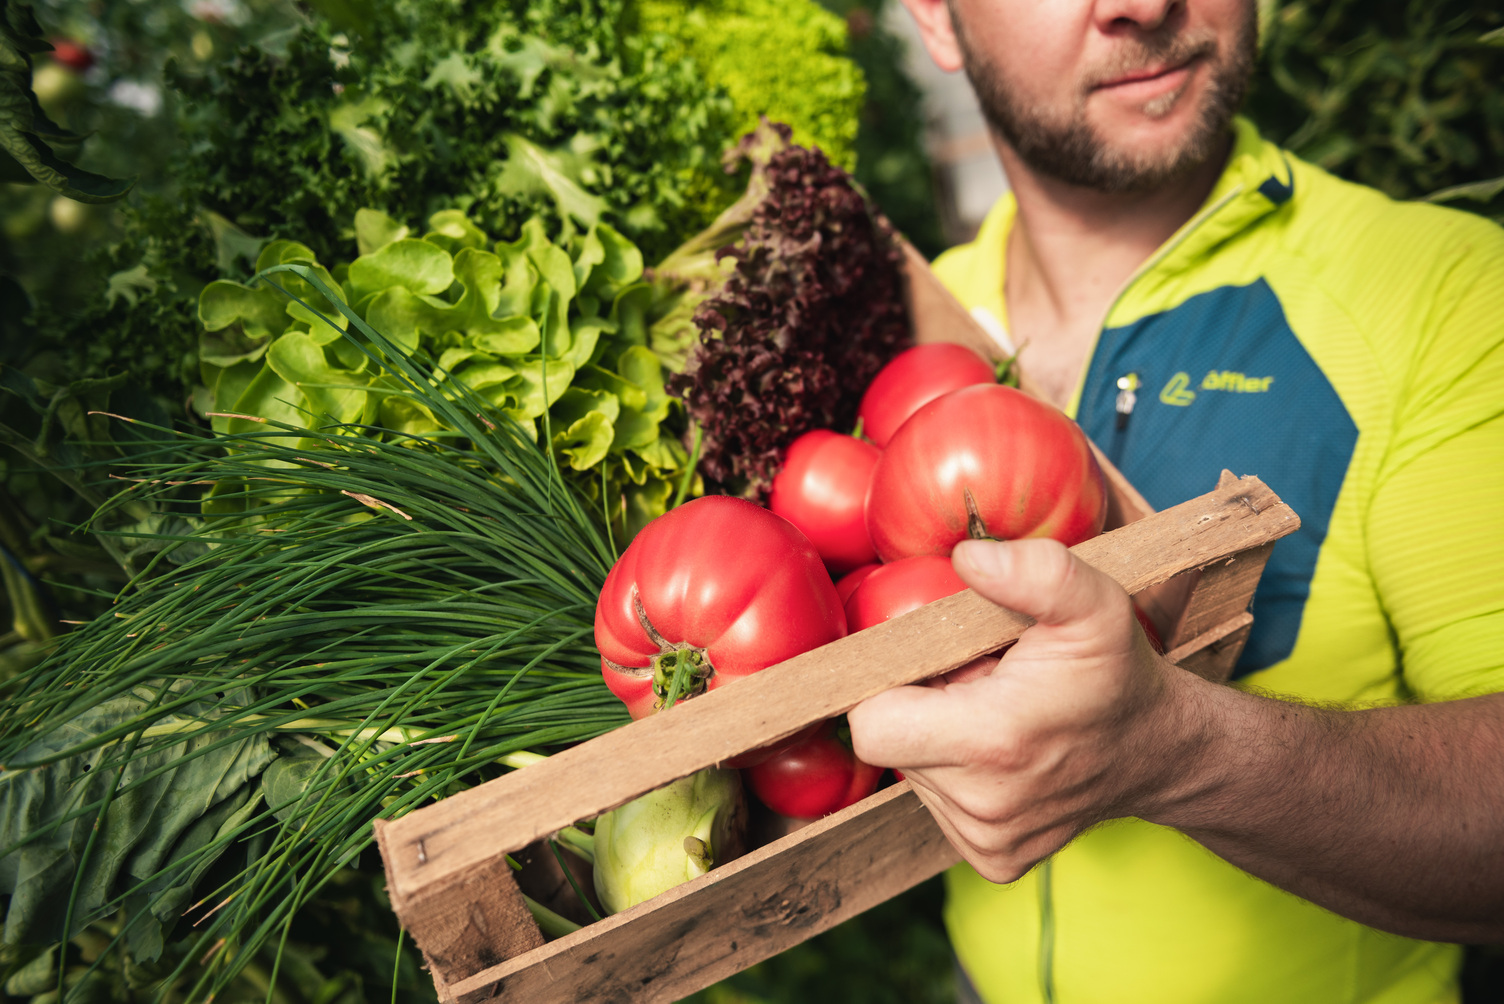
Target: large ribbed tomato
(822, 490)
(906, 584)
(984, 461)
(914, 378)
(714, 590)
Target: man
(1199, 299)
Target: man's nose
(1114, 16)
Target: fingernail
(985, 558)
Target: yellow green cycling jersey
(1349, 350)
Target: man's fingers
(907, 727)
(1037, 577)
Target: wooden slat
(1213, 654)
(735, 915)
(465, 921)
(442, 842)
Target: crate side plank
(736, 915)
(1213, 655)
(461, 832)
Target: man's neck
(1069, 253)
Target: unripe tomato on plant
(984, 461)
(707, 593)
(912, 379)
(815, 778)
(893, 589)
(822, 490)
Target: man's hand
(1391, 816)
(1079, 722)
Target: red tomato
(821, 490)
(846, 585)
(914, 378)
(815, 778)
(725, 582)
(1146, 624)
(907, 584)
(984, 461)
(71, 54)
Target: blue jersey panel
(1222, 382)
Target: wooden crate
(1195, 566)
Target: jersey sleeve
(1436, 522)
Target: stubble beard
(1069, 148)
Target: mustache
(1138, 56)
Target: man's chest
(1222, 381)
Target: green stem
(550, 923)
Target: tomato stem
(976, 527)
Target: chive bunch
(358, 625)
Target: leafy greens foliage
(553, 337)
(811, 310)
(363, 625)
(783, 59)
(1402, 95)
(493, 109)
(25, 129)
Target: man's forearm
(1390, 816)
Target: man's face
(1113, 95)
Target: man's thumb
(1038, 577)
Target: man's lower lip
(1148, 88)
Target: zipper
(1074, 405)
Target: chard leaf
(486, 375)
(137, 838)
(524, 393)
(453, 231)
(282, 252)
(586, 442)
(268, 395)
(403, 318)
(406, 416)
(665, 452)
(260, 312)
(299, 358)
(631, 395)
(577, 402)
(225, 348)
(513, 336)
(414, 265)
(516, 295)
(374, 230)
(613, 262)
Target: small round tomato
(822, 490)
(712, 591)
(71, 54)
(1144, 622)
(984, 461)
(815, 778)
(904, 585)
(846, 584)
(914, 378)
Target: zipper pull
(1127, 398)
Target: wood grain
(735, 915)
(442, 842)
(1213, 655)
